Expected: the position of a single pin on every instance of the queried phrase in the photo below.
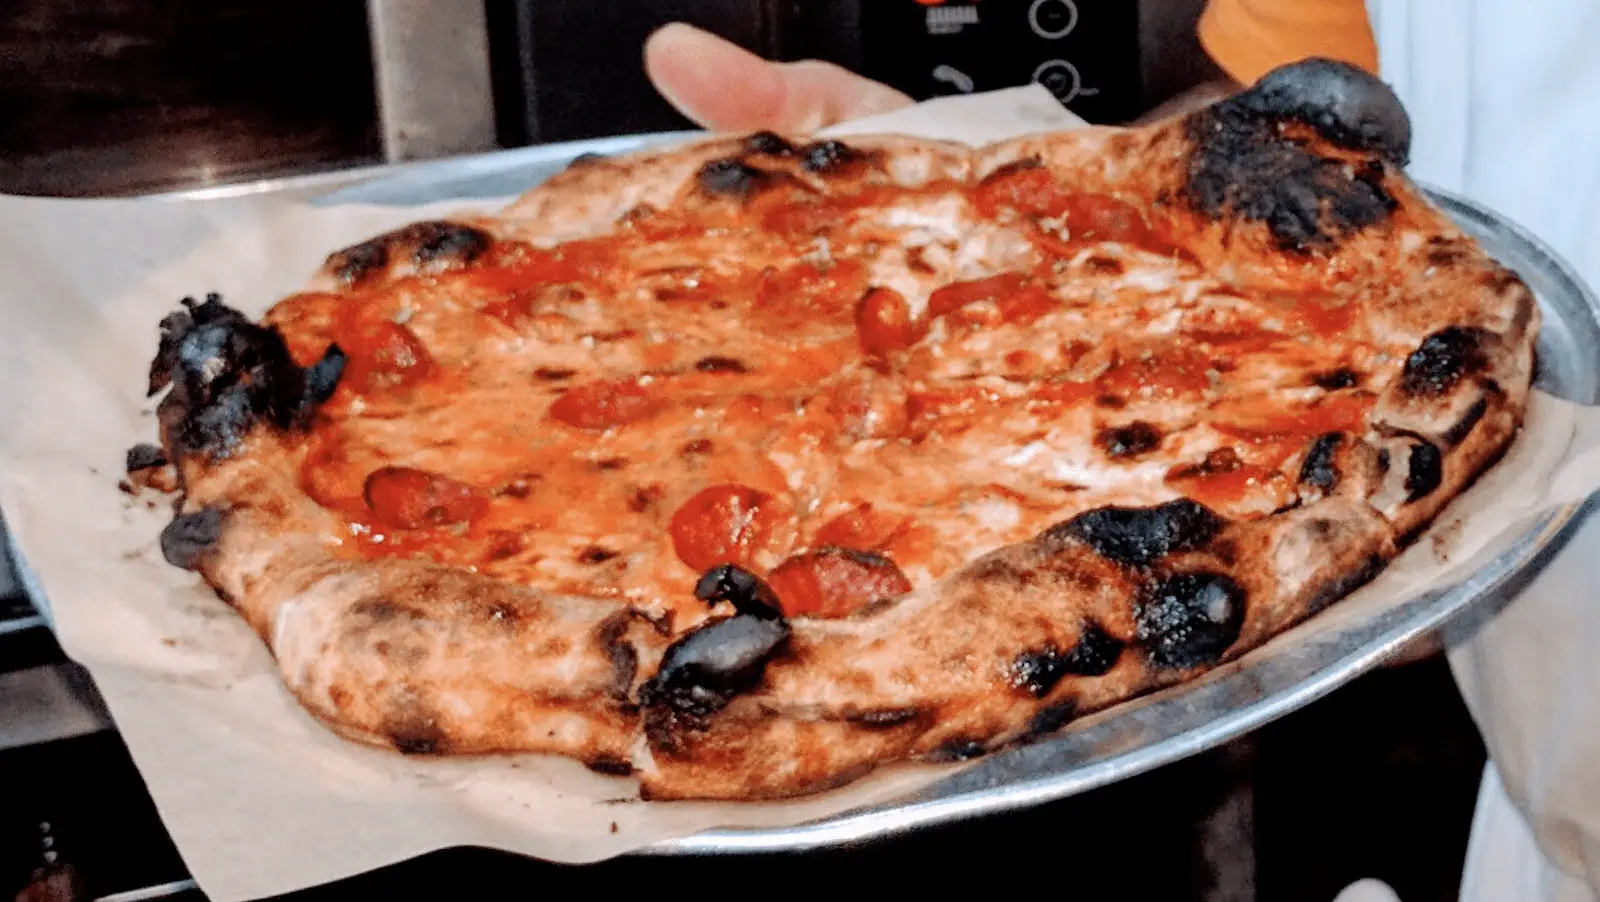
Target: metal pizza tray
(1146, 733)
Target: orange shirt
(1249, 38)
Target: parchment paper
(260, 799)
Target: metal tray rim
(1506, 574)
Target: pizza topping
(885, 324)
(406, 498)
(1190, 619)
(1039, 671)
(608, 403)
(1133, 440)
(190, 538)
(384, 355)
(740, 588)
(1443, 360)
(863, 526)
(835, 582)
(724, 524)
(1024, 186)
(1140, 536)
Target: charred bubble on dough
(827, 156)
(1424, 470)
(1190, 619)
(732, 177)
(226, 374)
(144, 456)
(700, 672)
(1133, 440)
(1444, 359)
(739, 587)
(1320, 469)
(190, 538)
(434, 242)
(1039, 671)
(1242, 166)
(1140, 536)
(769, 144)
(1344, 103)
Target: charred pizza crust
(1294, 178)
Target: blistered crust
(1092, 611)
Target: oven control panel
(1085, 51)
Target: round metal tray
(1148, 732)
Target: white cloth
(1504, 97)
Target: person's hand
(722, 87)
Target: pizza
(747, 466)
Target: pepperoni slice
(383, 355)
(414, 499)
(863, 526)
(608, 403)
(835, 582)
(883, 319)
(1023, 187)
(723, 524)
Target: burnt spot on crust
(1463, 427)
(414, 734)
(611, 635)
(1189, 619)
(610, 765)
(768, 144)
(434, 242)
(189, 539)
(720, 365)
(1050, 719)
(1241, 167)
(1344, 104)
(1334, 380)
(732, 178)
(596, 554)
(740, 588)
(1319, 469)
(1244, 165)
(1443, 360)
(1135, 439)
(1105, 266)
(584, 159)
(1344, 585)
(708, 666)
(227, 374)
(957, 750)
(449, 242)
(827, 156)
(1140, 536)
(1424, 470)
(1039, 671)
(998, 569)
(552, 374)
(144, 457)
(884, 719)
(1008, 169)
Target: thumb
(723, 87)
